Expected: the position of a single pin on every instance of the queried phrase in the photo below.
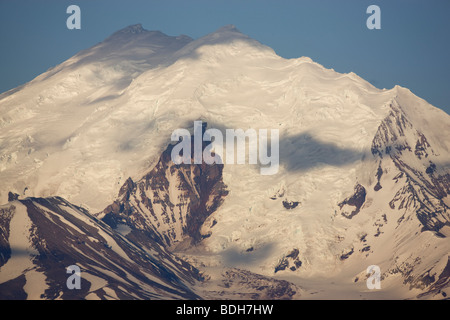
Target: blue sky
(412, 48)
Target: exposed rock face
(411, 189)
(291, 261)
(59, 234)
(346, 255)
(352, 205)
(171, 201)
(12, 196)
(248, 285)
(5, 220)
(443, 280)
(290, 204)
(424, 188)
(378, 175)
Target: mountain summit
(132, 29)
(364, 177)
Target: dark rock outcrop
(258, 287)
(424, 188)
(62, 234)
(290, 204)
(12, 196)
(356, 200)
(291, 261)
(170, 201)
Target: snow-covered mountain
(41, 238)
(364, 176)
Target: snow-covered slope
(41, 238)
(58, 123)
(364, 173)
(82, 128)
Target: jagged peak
(136, 28)
(133, 29)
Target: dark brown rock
(12, 196)
(356, 200)
(290, 204)
(149, 204)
